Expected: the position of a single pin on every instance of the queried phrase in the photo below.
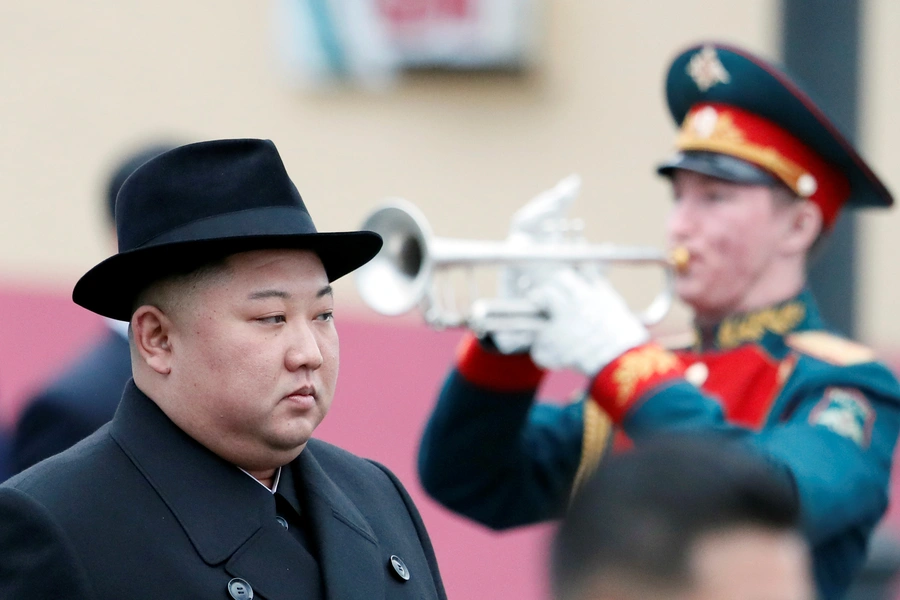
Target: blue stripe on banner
(328, 36)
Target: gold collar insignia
(751, 327)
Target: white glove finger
(517, 282)
(550, 348)
(512, 342)
(547, 356)
(604, 291)
(572, 284)
(563, 292)
(551, 297)
(589, 325)
(548, 205)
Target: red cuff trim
(621, 383)
(495, 371)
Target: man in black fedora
(206, 483)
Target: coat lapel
(217, 505)
(262, 563)
(349, 554)
(229, 518)
(226, 515)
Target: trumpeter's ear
(803, 227)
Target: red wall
(391, 370)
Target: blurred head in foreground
(686, 519)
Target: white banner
(369, 42)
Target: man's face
(751, 564)
(732, 232)
(255, 357)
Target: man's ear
(151, 330)
(804, 227)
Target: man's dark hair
(640, 514)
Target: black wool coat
(139, 510)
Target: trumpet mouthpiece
(680, 257)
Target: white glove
(536, 222)
(530, 223)
(589, 324)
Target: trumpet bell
(395, 281)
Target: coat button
(398, 568)
(240, 589)
(282, 521)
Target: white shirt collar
(274, 487)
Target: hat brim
(720, 166)
(111, 287)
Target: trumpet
(402, 275)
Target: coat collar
(348, 548)
(770, 323)
(229, 518)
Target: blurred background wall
(85, 82)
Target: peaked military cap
(743, 120)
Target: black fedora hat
(201, 202)
(126, 166)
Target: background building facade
(84, 83)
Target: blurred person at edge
(5, 453)
(85, 395)
(759, 176)
(682, 519)
(208, 482)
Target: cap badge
(706, 69)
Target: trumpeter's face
(733, 234)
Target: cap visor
(720, 166)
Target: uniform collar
(759, 326)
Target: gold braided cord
(596, 440)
